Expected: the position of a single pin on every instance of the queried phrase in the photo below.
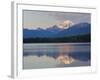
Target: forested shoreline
(80, 38)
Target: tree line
(80, 38)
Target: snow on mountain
(56, 31)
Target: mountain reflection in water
(56, 55)
(66, 59)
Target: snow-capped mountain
(55, 31)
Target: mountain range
(56, 32)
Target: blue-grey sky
(43, 19)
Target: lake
(53, 55)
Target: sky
(44, 19)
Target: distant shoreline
(56, 43)
(72, 39)
(61, 43)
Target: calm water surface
(56, 55)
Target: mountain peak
(66, 24)
(82, 25)
(55, 31)
(39, 29)
(53, 28)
